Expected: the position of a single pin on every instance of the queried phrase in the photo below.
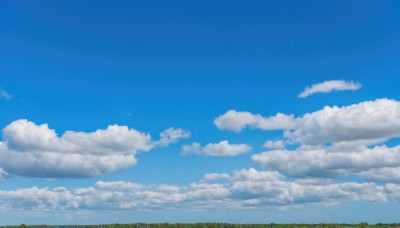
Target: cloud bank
(246, 188)
(301, 168)
(367, 163)
(331, 142)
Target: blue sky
(144, 67)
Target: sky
(193, 111)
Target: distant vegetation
(216, 225)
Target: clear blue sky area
(150, 65)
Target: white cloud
(36, 150)
(332, 162)
(386, 174)
(172, 135)
(222, 148)
(334, 141)
(237, 121)
(277, 144)
(331, 142)
(244, 188)
(284, 193)
(23, 135)
(329, 86)
(118, 185)
(5, 95)
(254, 175)
(37, 198)
(367, 123)
(215, 176)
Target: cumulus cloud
(5, 95)
(243, 189)
(379, 163)
(222, 148)
(329, 86)
(331, 142)
(215, 176)
(277, 144)
(270, 189)
(237, 121)
(254, 175)
(35, 150)
(385, 174)
(24, 135)
(367, 123)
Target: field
(214, 225)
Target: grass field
(214, 225)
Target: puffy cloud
(24, 135)
(37, 198)
(277, 144)
(367, 123)
(57, 165)
(331, 142)
(243, 188)
(118, 185)
(386, 174)
(5, 95)
(332, 162)
(215, 176)
(283, 193)
(36, 150)
(222, 148)
(254, 175)
(237, 121)
(329, 86)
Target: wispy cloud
(5, 95)
(329, 86)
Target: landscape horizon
(216, 225)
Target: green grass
(215, 225)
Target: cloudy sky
(191, 111)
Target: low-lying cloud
(246, 188)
